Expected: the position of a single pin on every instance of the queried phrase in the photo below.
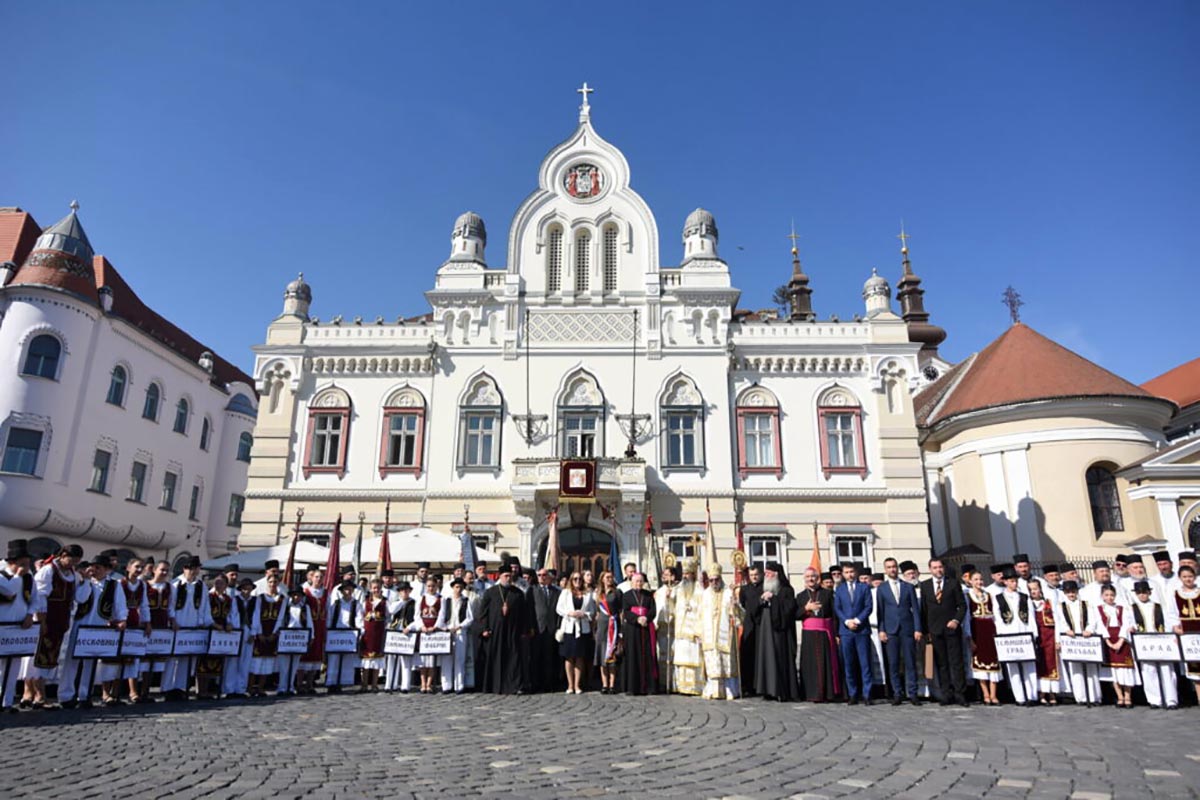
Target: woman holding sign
(1187, 603)
(1115, 624)
(429, 612)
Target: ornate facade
(584, 346)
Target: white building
(777, 425)
(118, 431)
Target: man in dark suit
(943, 608)
(852, 606)
(545, 666)
(898, 619)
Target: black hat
(514, 563)
(271, 563)
(968, 568)
(1070, 586)
(1048, 568)
(233, 568)
(1120, 558)
(387, 573)
(1161, 555)
(905, 566)
(1187, 555)
(245, 583)
(18, 548)
(1019, 558)
(315, 567)
(994, 568)
(73, 550)
(345, 586)
(1136, 558)
(826, 576)
(1100, 563)
(102, 560)
(422, 565)
(403, 586)
(192, 563)
(457, 582)
(774, 566)
(1141, 586)
(1010, 573)
(1067, 566)
(296, 590)
(835, 567)
(460, 565)
(877, 576)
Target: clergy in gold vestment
(686, 656)
(720, 614)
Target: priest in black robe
(503, 621)
(775, 637)
(820, 674)
(748, 597)
(639, 664)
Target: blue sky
(219, 148)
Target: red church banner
(576, 480)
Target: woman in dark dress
(985, 665)
(607, 632)
(576, 608)
(639, 663)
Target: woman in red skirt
(374, 631)
(985, 665)
(1046, 646)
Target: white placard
(96, 642)
(1156, 647)
(221, 643)
(399, 643)
(191, 642)
(436, 643)
(1189, 643)
(133, 642)
(161, 642)
(1078, 649)
(293, 641)
(1013, 648)
(341, 640)
(18, 641)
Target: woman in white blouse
(577, 609)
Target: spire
(585, 110)
(798, 293)
(912, 303)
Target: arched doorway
(579, 549)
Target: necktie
(850, 588)
(896, 590)
(937, 595)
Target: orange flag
(815, 563)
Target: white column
(1168, 520)
(1023, 508)
(999, 516)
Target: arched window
(839, 419)
(150, 406)
(1105, 500)
(581, 418)
(328, 432)
(583, 261)
(42, 359)
(554, 260)
(181, 416)
(403, 432)
(205, 433)
(759, 448)
(682, 410)
(116, 386)
(479, 425)
(610, 259)
(245, 443)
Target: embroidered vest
(181, 594)
(1159, 622)
(26, 589)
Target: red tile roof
(1021, 366)
(129, 307)
(1180, 385)
(18, 232)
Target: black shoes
(853, 701)
(897, 700)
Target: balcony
(535, 480)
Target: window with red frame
(328, 436)
(840, 431)
(403, 440)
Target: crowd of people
(845, 635)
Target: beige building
(1025, 444)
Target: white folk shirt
(345, 614)
(43, 582)
(13, 607)
(1170, 615)
(294, 615)
(95, 589)
(189, 615)
(1015, 625)
(1131, 598)
(1068, 617)
(1107, 615)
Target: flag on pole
(289, 571)
(739, 575)
(710, 539)
(468, 555)
(552, 554)
(385, 547)
(815, 563)
(358, 537)
(614, 554)
(333, 565)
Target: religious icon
(584, 180)
(577, 478)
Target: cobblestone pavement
(549, 746)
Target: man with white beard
(720, 614)
(685, 655)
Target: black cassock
(775, 645)
(502, 616)
(748, 597)
(640, 661)
(819, 676)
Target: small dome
(876, 284)
(299, 289)
(470, 224)
(240, 404)
(700, 221)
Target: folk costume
(1082, 679)
(137, 602)
(16, 605)
(54, 602)
(1160, 681)
(456, 617)
(1115, 623)
(345, 613)
(985, 666)
(293, 616)
(1013, 611)
(159, 598)
(98, 604)
(189, 609)
(399, 667)
(1045, 647)
(1187, 609)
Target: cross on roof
(795, 237)
(585, 90)
(1012, 299)
(903, 237)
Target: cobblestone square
(549, 746)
